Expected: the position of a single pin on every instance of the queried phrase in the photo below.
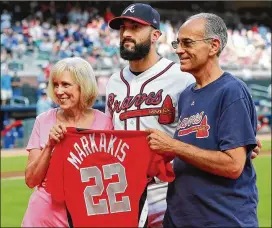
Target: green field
(18, 163)
(9, 164)
(266, 145)
(263, 168)
(15, 194)
(14, 199)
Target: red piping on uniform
(145, 83)
(128, 92)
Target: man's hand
(257, 149)
(160, 141)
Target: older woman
(73, 87)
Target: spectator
(16, 84)
(85, 17)
(108, 15)
(5, 19)
(17, 27)
(6, 89)
(36, 31)
(4, 55)
(46, 45)
(164, 48)
(46, 70)
(44, 103)
(30, 93)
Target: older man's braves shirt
(102, 175)
(218, 117)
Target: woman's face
(67, 91)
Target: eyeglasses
(186, 43)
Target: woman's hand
(56, 134)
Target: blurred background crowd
(57, 30)
(36, 34)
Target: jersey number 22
(113, 188)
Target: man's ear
(155, 35)
(215, 47)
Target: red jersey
(102, 175)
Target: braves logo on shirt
(166, 112)
(196, 123)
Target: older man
(215, 183)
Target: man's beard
(141, 50)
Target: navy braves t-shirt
(219, 117)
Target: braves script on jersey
(148, 100)
(101, 175)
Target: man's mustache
(128, 39)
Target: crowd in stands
(50, 34)
(84, 32)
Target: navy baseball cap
(139, 12)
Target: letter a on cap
(131, 9)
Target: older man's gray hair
(215, 27)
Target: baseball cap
(139, 12)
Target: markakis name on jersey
(197, 123)
(88, 146)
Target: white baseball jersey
(148, 100)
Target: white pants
(156, 197)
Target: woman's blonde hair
(83, 75)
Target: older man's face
(192, 50)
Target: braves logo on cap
(130, 8)
(139, 12)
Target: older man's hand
(160, 141)
(257, 149)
